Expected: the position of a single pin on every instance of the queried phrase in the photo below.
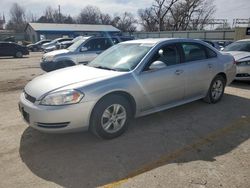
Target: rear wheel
(19, 54)
(110, 117)
(216, 90)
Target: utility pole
(59, 11)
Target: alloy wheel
(217, 89)
(113, 118)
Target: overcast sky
(226, 9)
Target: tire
(107, 124)
(35, 49)
(19, 54)
(216, 90)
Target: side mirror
(157, 65)
(160, 52)
(83, 49)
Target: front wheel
(216, 90)
(19, 54)
(110, 117)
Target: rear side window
(210, 53)
(193, 52)
(98, 44)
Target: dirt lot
(195, 145)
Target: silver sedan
(131, 79)
(241, 52)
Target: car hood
(46, 45)
(240, 56)
(56, 52)
(52, 81)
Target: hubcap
(217, 89)
(19, 54)
(113, 118)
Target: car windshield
(77, 38)
(121, 57)
(76, 45)
(238, 46)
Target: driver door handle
(178, 72)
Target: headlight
(49, 58)
(62, 98)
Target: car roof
(154, 41)
(6, 42)
(244, 40)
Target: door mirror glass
(83, 49)
(157, 65)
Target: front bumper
(56, 119)
(243, 73)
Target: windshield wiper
(105, 68)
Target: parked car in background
(37, 46)
(13, 49)
(126, 38)
(66, 44)
(130, 79)
(48, 47)
(81, 52)
(223, 43)
(214, 44)
(241, 52)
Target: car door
(199, 69)
(162, 80)
(1, 49)
(7, 49)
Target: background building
(36, 31)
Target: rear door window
(99, 44)
(193, 52)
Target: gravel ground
(194, 145)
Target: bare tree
(161, 8)
(192, 14)
(54, 16)
(125, 22)
(89, 15)
(177, 14)
(17, 20)
(30, 17)
(105, 19)
(147, 20)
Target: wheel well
(223, 75)
(126, 95)
(69, 61)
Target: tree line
(162, 15)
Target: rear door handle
(178, 72)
